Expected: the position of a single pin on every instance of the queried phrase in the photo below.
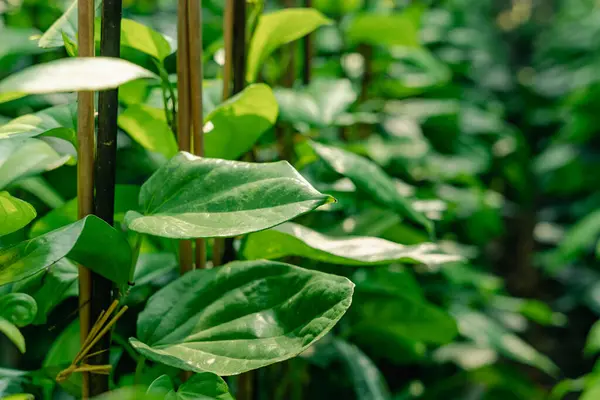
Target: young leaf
(14, 213)
(192, 197)
(65, 25)
(70, 75)
(148, 126)
(90, 241)
(239, 317)
(234, 126)
(13, 334)
(372, 180)
(398, 29)
(204, 385)
(163, 385)
(19, 309)
(592, 345)
(59, 121)
(291, 239)
(278, 28)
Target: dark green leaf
(14, 213)
(241, 316)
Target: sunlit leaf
(148, 126)
(396, 29)
(65, 25)
(14, 213)
(59, 121)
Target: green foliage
(203, 385)
(14, 213)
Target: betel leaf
(372, 180)
(239, 317)
(65, 25)
(59, 121)
(278, 28)
(140, 37)
(13, 334)
(192, 197)
(233, 127)
(18, 41)
(396, 29)
(90, 242)
(291, 239)
(205, 385)
(70, 75)
(23, 158)
(148, 126)
(320, 104)
(14, 213)
(19, 309)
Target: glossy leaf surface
(59, 121)
(148, 126)
(89, 241)
(291, 239)
(65, 25)
(241, 316)
(204, 386)
(14, 213)
(191, 197)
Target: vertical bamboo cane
(307, 64)
(85, 164)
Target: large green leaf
(191, 197)
(204, 386)
(14, 213)
(23, 158)
(278, 28)
(241, 316)
(70, 75)
(371, 179)
(397, 29)
(90, 242)
(233, 127)
(148, 126)
(291, 239)
(59, 121)
(320, 104)
(65, 25)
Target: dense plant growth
(350, 199)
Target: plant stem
(139, 368)
(307, 64)
(106, 151)
(85, 164)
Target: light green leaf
(13, 334)
(148, 126)
(278, 28)
(239, 317)
(320, 104)
(18, 41)
(291, 239)
(205, 386)
(140, 37)
(70, 75)
(59, 121)
(370, 179)
(234, 126)
(129, 393)
(192, 197)
(592, 345)
(66, 24)
(90, 242)
(14, 213)
(23, 158)
(50, 287)
(20, 396)
(19, 309)
(397, 29)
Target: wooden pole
(104, 204)
(307, 64)
(85, 164)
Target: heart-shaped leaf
(192, 197)
(59, 121)
(205, 385)
(239, 317)
(370, 179)
(14, 213)
(148, 126)
(65, 25)
(233, 127)
(278, 28)
(71, 75)
(291, 239)
(90, 242)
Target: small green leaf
(291, 239)
(239, 317)
(90, 242)
(129, 393)
(13, 334)
(59, 121)
(592, 345)
(163, 385)
(70, 46)
(192, 197)
(397, 29)
(278, 28)
(14, 213)
(71, 75)
(65, 25)
(234, 126)
(148, 126)
(370, 179)
(205, 386)
(19, 309)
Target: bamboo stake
(195, 69)
(186, 262)
(307, 64)
(106, 151)
(85, 163)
